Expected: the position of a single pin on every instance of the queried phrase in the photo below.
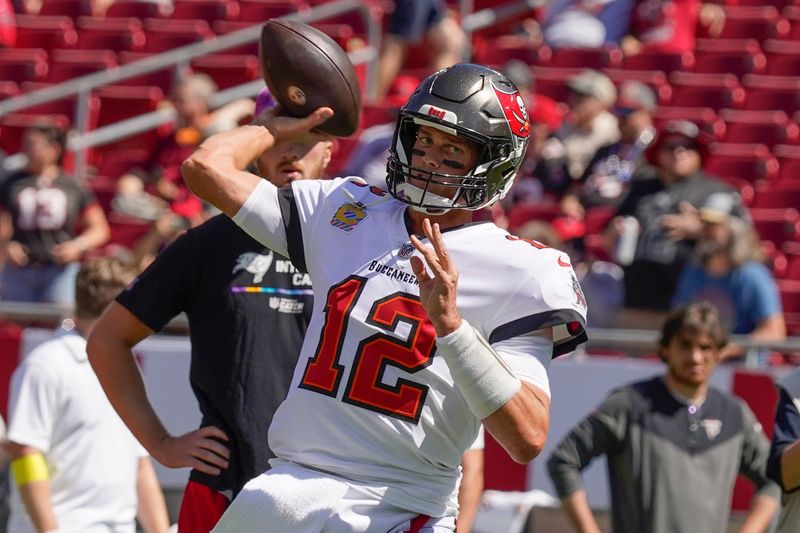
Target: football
(305, 69)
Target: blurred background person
(784, 456)
(589, 125)
(728, 270)
(653, 232)
(585, 23)
(653, 433)
(607, 176)
(75, 465)
(49, 220)
(8, 27)
(411, 23)
(671, 25)
(147, 191)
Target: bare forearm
(760, 515)
(790, 466)
(469, 494)
(116, 369)
(36, 498)
(576, 507)
(152, 508)
(521, 425)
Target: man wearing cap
(614, 165)
(728, 270)
(591, 96)
(664, 211)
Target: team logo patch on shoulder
(348, 216)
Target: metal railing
(179, 59)
(636, 341)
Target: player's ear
(329, 149)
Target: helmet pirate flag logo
(515, 111)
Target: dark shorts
(201, 508)
(412, 19)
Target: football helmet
(477, 103)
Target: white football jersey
(370, 400)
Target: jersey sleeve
(787, 432)
(755, 453)
(548, 295)
(33, 405)
(529, 356)
(261, 217)
(162, 291)
(601, 432)
(304, 207)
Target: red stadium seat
(228, 70)
(160, 78)
(69, 64)
(774, 197)
(730, 63)
(786, 99)
(341, 153)
(205, 10)
(46, 32)
(133, 8)
(23, 64)
(658, 60)
(597, 58)
(759, 22)
(716, 91)
(65, 106)
(343, 34)
(507, 47)
(13, 125)
(789, 159)
(115, 163)
(552, 82)
(222, 27)
(69, 8)
(792, 268)
(127, 231)
(104, 189)
(765, 127)
(597, 218)
(655, 79)
(110, 34)
(792, 14)
(120, 102)
(790, 299)
(747, 167)
(8, 89)
(164, 35)
(258, 11)
(776, 225)
(373, 114)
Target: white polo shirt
(57, 405)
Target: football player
(424, 324)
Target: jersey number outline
(364, 388)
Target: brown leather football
(306, 69)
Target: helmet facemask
(480, 117)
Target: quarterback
(424, 324)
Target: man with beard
(674, 444)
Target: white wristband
(484, 379)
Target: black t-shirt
(651, 278)
(248, 311)
(44, 213)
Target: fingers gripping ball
(305, 69)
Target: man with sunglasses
(664, 210)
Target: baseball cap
(634, 95)
(717, 208)
(679, 128)
(593, 83)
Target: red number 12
(323, 373)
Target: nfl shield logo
(274, 302)
(348, 216)
(406, 251)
